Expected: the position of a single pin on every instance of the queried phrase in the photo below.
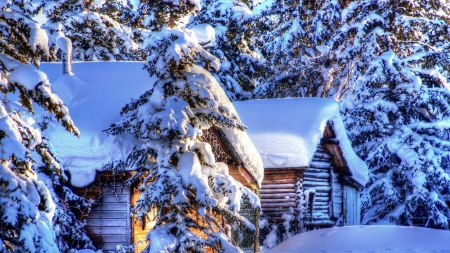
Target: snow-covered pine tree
(242, 68)
(396, 57)
(122, 11)
(95, 36)
(31, 179)
(294, 38)
(68, 228)
(177, 174)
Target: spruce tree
(30, 176)
(242, 67)
(177, 173)
(95, 36)
(294, 37)
(394, 57)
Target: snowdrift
(373, 239)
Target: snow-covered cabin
(303, 141)
(95, 96)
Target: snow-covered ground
(373, 239)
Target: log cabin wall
(325, 201)
(109, 223)
(278, 193)
(317, 179)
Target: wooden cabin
(93, 106)
(306, 155)
(109, 224)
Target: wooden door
(108, 224)
(352, 206)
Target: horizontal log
(321, 155)
(278, 177)
(269, 205)
(281, 195)
(312, 184)
(282, 190)
(322, 188)
(309, 179)
(311, 174)
(320, 165)
(269, 210)
(319, 160)
(322, 199)
(317, 170)
(321, 150)
(278, 201)
(275, 186)
(281, 181)
(107, 222)
(320, 203)
(273, 214)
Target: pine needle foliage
(176, 173)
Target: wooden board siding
(108, 224)
(278, 193)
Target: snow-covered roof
(95, 95)
(286, 131)
(239, 140)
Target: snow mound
(286, 131)
(373, 239)
(70, 89)
(96, 92)
(206, 34)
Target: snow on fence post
(65, 44)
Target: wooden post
(257, 247)
(65, 44)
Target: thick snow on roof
(95, 95)
(286, 131)
(373, 238)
